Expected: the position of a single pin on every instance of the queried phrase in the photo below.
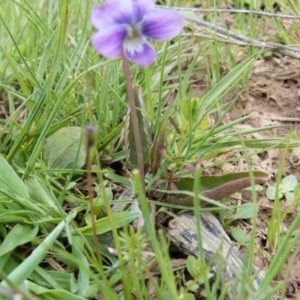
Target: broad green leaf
(195, 269)
(187, 296)
(10, 181)
(216, 193)
(19, 235)
(192, 286)
(289, 196)
(103, 225)
(271, 192)
(210, 182)
(246, 211)
(239, 234)
(191, 265)
(218, 187)
(61, 148)
(230, 188)
(289, 183)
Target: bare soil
(273, 92)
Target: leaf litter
(273, 92)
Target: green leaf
(210, 182)
(42, 277)
(188, 296)
(246, 211)
(289, 183)
(103, 225)
(297, 192)
(24, 270)
(57, 294)
(257, 188)
(239, 234)
(191, 265)
(40, 193)
(83, 280)
(19, 235)
(289, 197)
(271, 192)
(10, 181)
(64, 148)
(191, 285)
(55, 279)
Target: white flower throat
(134, 39)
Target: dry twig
(227, 36)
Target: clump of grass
(52, 79)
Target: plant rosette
(289, 187)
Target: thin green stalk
(126, 280)
(163, 262)
(197, 205)
(90, 143)
(247, 272)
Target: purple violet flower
(126, 24)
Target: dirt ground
(274, 94)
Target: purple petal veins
(141, 8)
(162, 25)
(127, 24)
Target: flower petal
(108, 42)
(141, 8)
(162, 25)
(113, 12)
(100, 18)
(143, 57)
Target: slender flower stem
(134, 117)
(90, 142)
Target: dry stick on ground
(231, 10)
(235, 38)
(220, 253)
(232, 37)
